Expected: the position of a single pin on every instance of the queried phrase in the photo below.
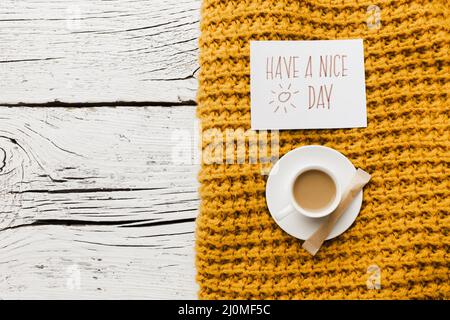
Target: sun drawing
(282, 98)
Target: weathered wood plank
(98, 51)
(118, 184)
(75, 163)
(101, 262)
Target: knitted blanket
(401, 236)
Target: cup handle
(280, 215)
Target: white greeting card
(312, 84)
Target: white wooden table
(98, 148)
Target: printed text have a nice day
(324, 66)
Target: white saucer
(277, 189)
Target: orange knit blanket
(398, 246)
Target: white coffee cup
(294, 207)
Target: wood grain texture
(98, 51)
(97, 262)
(107, 196)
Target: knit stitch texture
(403, 226)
